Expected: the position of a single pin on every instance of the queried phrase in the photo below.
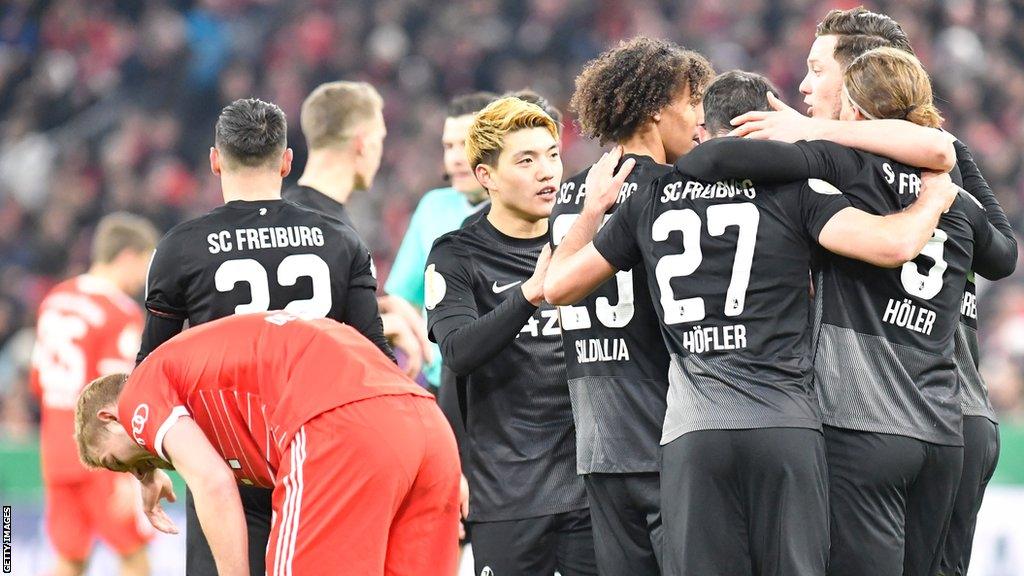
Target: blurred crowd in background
(110, 105)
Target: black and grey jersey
(615, 355)
(884, 360)
(974, 399)
(264, 255)
(519, 445)
(727, 264)
(315, 200)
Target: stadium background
(109, 104)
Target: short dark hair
(472, 103)
(734, 93)
(528, 95)
(619, 92)
(251, 133)
(859, 30)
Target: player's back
(728, 264)
(251, 380)
(257, 256)
(86, 328)
(615, 356)
(884, 358)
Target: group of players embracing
(749, 356)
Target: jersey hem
(862, 426)
(746, 424)
(578, 505)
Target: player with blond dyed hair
(485, 307)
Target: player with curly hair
(644, 95)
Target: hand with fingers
(156, 485)
(604, 183)
(782, 123)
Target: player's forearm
(467, 343)
(765, 161)
(911, 229)
(977, 186)
(219, 509)
(903, 141)
(574, 277)
(566, 262)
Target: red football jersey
(87, 328)
(251, 381)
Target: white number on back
(745, 217)
(926, 286)
(59, 358)
(293, 267)
(612, 316)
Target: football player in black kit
(343, 123)
(255, 253)
(884, 368)
(645, 96)
(485, 308)
(744, 473)
(842, 35)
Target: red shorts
(104, 504)
(368, 489)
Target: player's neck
(107, 273)
(250, 186)
(330, 172)
(646, 142)
(514, 224)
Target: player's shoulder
(109, 296)
(455, 243)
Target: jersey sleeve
(617, 241)
(763, 161)
(361, 310)
(165, 290)
(832, 162)
(448, 284)
(150, 404)
(995, 256)
(406, 277)
(819, 203)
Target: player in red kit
(363, 464)
(89, 326)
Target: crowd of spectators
(110, 104)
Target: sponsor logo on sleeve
(139, 419)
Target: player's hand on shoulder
(604, 182)
(783, 123)
(533, 288)
(157, 485)
(938, 185)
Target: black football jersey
(727, 264)
(316, 200)
(519, 446)
(974, 399)
(885, 337)
(256, 256)
(615, 355)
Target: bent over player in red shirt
(363, 464)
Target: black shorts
(626, 512)
(258, 507)
(744, 502)
(981, 453)
(536, 546)
(891, 499)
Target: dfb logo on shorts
(139, 422)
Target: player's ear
(107, 414)
(286, 162)
(215, 160)
(483, 176)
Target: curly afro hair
(618, 92)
